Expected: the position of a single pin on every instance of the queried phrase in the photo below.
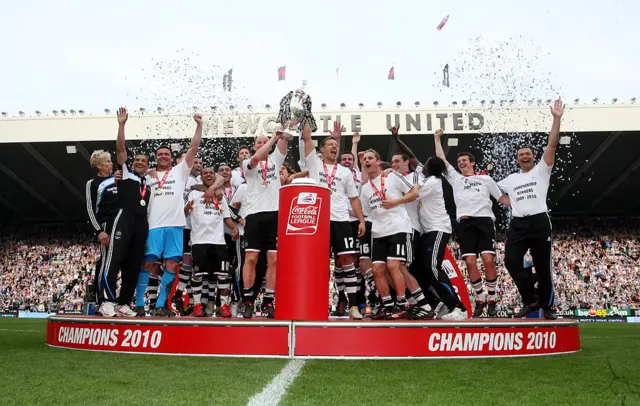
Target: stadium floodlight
(64, 112)
(361, 105)
(417, 103)
(483, 102)
(38, 112)
(379, 104)
(502, 102)
(323, 105)
(159, 109)
(548, 101)
(512, 102)
(576, 101)
(195, 108)
(633, 100)
(232, 107)
(539, 102)
(435, 103)
(595, 100)
(492, 102)
(454, 103)
(81, 112)
(249, 107)
(398, 104)
(464, 102)
(55, 112)
(530, 101)
(73, 112)
(21, 113)
(4, 114)
(342, 105)
(267, 106)
(142, 110)
(614, 100)
(106, 111)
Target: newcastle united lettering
(366, 123)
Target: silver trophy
(292, 113)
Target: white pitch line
(273, 393)
(21, 331)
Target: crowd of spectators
(47, 270)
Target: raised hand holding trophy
(295, 110)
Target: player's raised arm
(263, 153)
(121, 148)
(438, 144)
(354, 150)
(550, 151)
(308, 143)
(413, 161)
(195, 141)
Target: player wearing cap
(476, 228)
(384, 197)
(262, 174)
(530, 227)
(327, 172)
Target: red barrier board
(405, 341)
(232, 339)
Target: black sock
(401, 302)
(247, 295)
(418, 295)
(387, 303)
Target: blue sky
(88, 55)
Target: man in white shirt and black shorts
(530, 227)
(476, 224)
(262, 174)
(384, 197)
(209, 247)
(327, 172)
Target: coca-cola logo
(305, 210)
(304, 214)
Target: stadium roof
(45, 160)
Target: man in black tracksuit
(129, 231)
(102, 208)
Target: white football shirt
(258, 197)
(357, 180)
(228, 195)
(239, 197)
(386, 222)
(191, 181)
(342, 186)
(237, 178)
(472, 194)
(433, 214)
(166, 208)
(412, 207)
(207, 222)
(528, 191)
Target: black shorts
(341, 238)
(210, 258)
(186, 240)
(365, 241)
(476, 235)
(261, 231)
(392, 247)
(354, 232)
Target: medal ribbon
(230, 194)
(264, 169)
(355, 176)
(328, 178)
(216, 204)
(143, 190)
(382, 194)
(164, 179)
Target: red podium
(302, 282)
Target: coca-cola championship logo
(304, 214)
(449, 269)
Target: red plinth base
(316, 340)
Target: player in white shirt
(237, 174)
(476, 229)
(383, 197)
(530, 227)
(262, 173)
(166, 217)
(186, 265)
(210, 257)
(327, 172)
(435, 225)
